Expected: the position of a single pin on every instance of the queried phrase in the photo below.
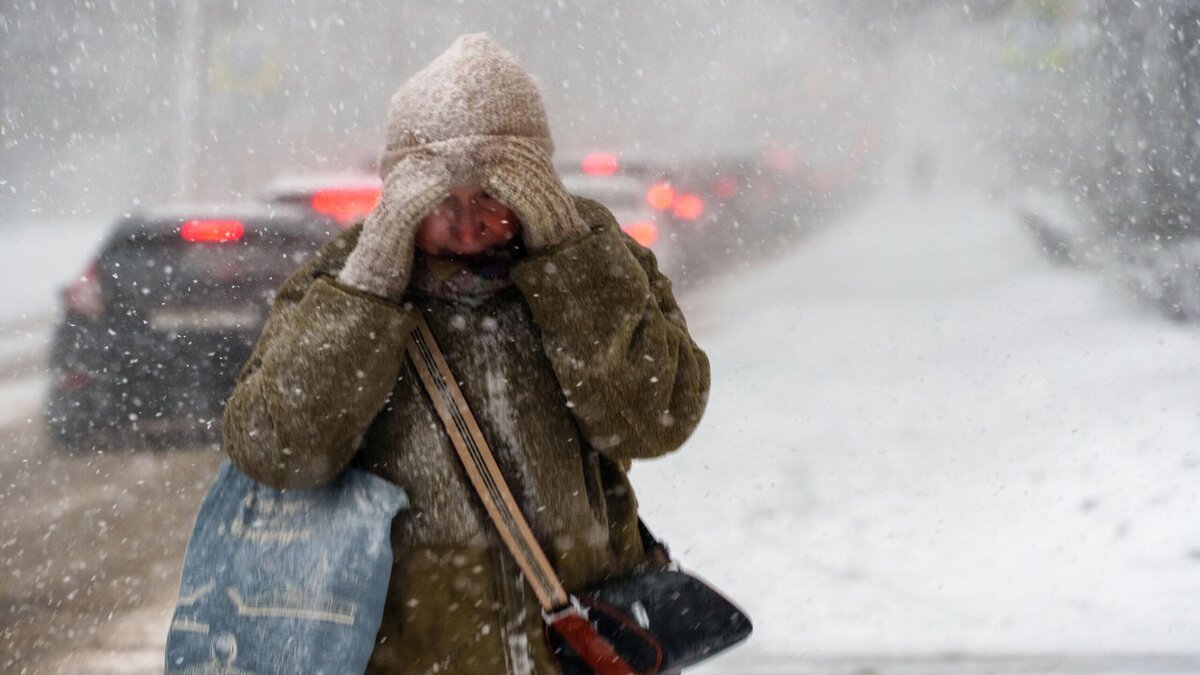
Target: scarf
(463, 281)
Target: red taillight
(74, 380)
(643, 232)
(660, 196)
(600, 164)
(212, 231)
(345, 205)
(688, 207)
(725, 187)
(83, 297)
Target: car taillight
(725, 187)
(660, 196)
(688, 207)
(83, 297)
(212, 231)
(644, 232)
(600, 164)
(345, 205)
(74, 380)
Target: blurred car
(342, 197)
(727, 209)
(155, 329)
(622, 187)
(703, 203)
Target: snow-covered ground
(924, 438)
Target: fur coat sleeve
(325, 364)
(635, 381)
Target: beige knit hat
(472, 116)
(474, 92)
(477, 110)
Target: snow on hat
(477, 110)
(473, 93)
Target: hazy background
(92, 94)
(952, 324)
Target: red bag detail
(589, 646)
(595, 607)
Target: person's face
(467, 224)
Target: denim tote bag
(285, 581)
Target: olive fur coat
(583, 364)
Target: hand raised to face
(519, 173)
(381, 262)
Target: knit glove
(520, 175)
(382, 260)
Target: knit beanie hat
(477, 109)
(474, 91)
(472, 117)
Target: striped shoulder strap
(484, 473)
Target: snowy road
(90, 546)
(927, 451)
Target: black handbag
(677, 619)
(656, 620)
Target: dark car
(156, 328)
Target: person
(568, 343)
